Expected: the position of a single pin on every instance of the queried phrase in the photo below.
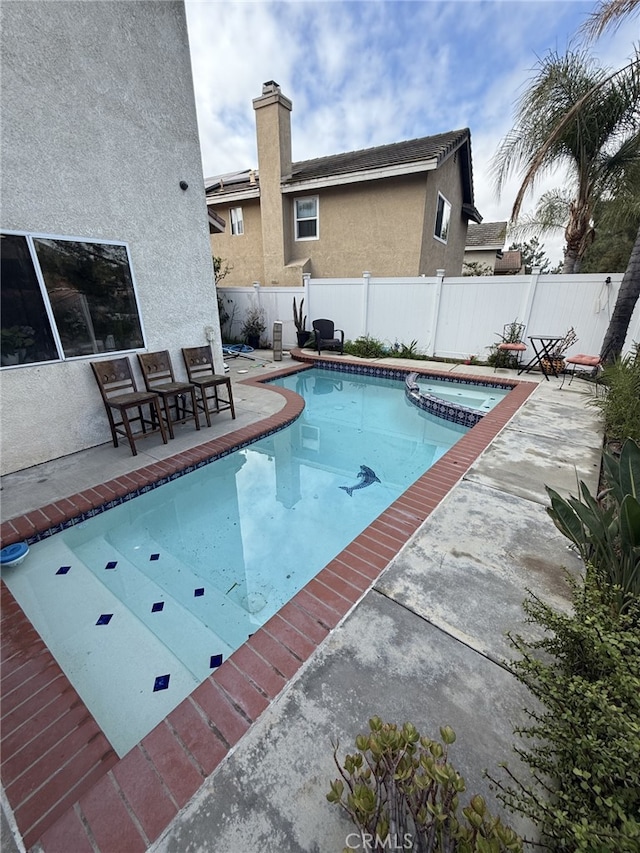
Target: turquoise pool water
(140, 603)
(483, 398)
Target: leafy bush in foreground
(402, 793)
(583, 746)
(606, 531)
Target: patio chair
(120, 395)
(326, 337)
(581, 360)
(511, 346)
(201, 373)
(157, 371)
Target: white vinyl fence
(446, 317)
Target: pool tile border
(90, 799)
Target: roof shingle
(486, 234)
(397, 153)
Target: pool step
(112, 658)
(189, 604)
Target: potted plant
(300, 323)
(555, 364)
(253, 326)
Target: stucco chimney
(273, 130)
(273, 133)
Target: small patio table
(543, 346)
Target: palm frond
(608, 14)
(551, 213)
(572, 111)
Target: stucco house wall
(243, 252)
(98, 129)
(448, 256)
(361, 225)
(483, 258)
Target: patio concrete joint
(487, 655)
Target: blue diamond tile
(161, 682)
(63, 570)
(111, 564)
(157, 606)
(198, 592)
(215, 661)
(104, 619)
(154, 557)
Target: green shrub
(606, 531)
(620, 403)
(583, 746)
(506, 358)
(401, 792)
(402, 350)
(366, 346)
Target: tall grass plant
(620, 403)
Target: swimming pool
(172, 581)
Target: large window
(237, 222)
(65, 298)
(443, 217)
(306, 218)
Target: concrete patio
(425, 643)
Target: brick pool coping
(66, 786)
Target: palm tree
(609, 14)
(597, 145)
(623, 309)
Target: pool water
(139, 604)
(483, 398)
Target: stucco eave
(360, 176)
(241, 195)
(486, 247)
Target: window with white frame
(64, 298)
(237, 222)
(443, 217)
(306, 216)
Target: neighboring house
(484, 247)
(105, 245)
(399, 209)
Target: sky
(374, 72)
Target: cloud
(361, 74)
